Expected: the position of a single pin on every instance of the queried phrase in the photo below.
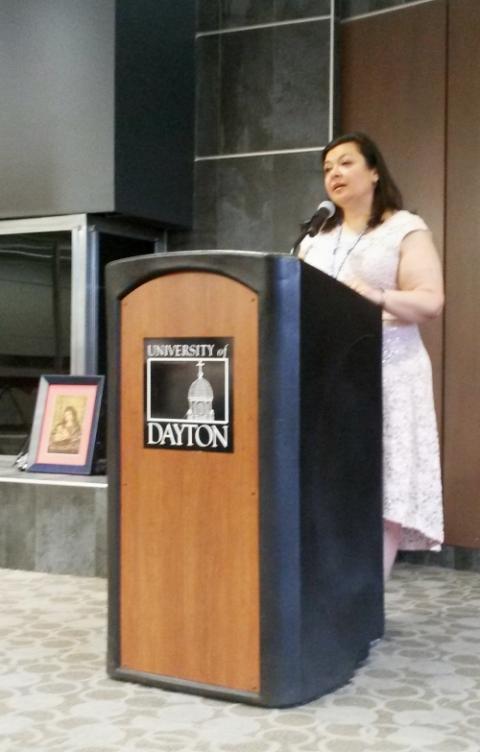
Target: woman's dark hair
(386, 195)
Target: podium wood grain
(189, 580)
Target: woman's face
(348, 178)
(69, 417)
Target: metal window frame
(85, 271)
(76, 224)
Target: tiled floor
(419, 689)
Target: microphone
(324, 211)
(311, 226)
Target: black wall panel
(154, 109)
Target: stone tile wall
(264, 93)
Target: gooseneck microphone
(324, 211)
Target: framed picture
(65, 424)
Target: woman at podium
(386, 254)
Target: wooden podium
(244, 465)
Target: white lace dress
(411, 460)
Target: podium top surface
(246, 266)
(262, 271)
(206, 254)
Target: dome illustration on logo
(200, 398)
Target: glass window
(35, 293)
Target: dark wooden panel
(393, 88)
(189, 520)
(462, 365)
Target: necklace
(347, 253)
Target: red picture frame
(65, 424)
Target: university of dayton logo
(188, 394)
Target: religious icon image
(65, 423)
(66, 433)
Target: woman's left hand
(374, 294)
